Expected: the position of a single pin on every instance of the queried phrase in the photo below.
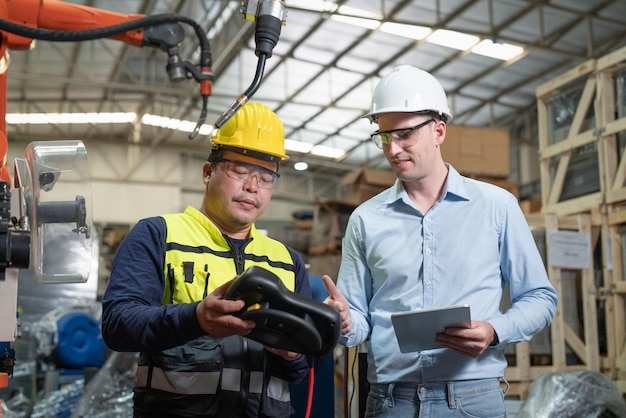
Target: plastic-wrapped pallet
(109, 394)
(573, 394)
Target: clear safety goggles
(404, 137)
(245, 172)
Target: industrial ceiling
(321, 75)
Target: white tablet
(416, 330)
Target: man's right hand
(339, 302)
(215, 315)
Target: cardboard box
(360, 185)
(478, 151)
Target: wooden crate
(611, 80)
(614, 292)
(582, 121)
(597, 123)
(568, 142)
(567, 340)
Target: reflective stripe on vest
(194, 383)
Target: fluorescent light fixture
(300, 166)
(69, 118)
(160, 121)
(314, 5)
(151, 120)
(103, 117)
(176, 124)
(298, 146)
(328, 152)
(357, 21)
(331, 7)
(453, 39)
(499, 51)
(353, 11)
(408, 31)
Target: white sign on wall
(569, 249)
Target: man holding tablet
(435, 239)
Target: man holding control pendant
(435, 239)
(165, 298)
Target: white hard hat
(408, 89)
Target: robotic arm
(22, 21)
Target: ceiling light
(408, 31)
(314, 5)
(353, 11)
(357, 21)
(291, 145)
(329, 152)
(70, 118)
(160, 121)
(453, 39)
(175, 124)
(499, 51)
(300, 166)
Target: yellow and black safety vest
(210, 376)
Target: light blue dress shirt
(464, 250)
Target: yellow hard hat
(256, 130)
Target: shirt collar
(454, 186)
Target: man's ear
(440, 132)
(207, 170)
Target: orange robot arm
(55, 15)
(53, 20)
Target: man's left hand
(471, 341)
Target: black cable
(201, 119)
(245, 96)
(354, 383)
(98, 33)
(258, 75)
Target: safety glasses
(245, 172)
(404, 137)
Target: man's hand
(339, 302)
(468, 341)
(214, 315)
